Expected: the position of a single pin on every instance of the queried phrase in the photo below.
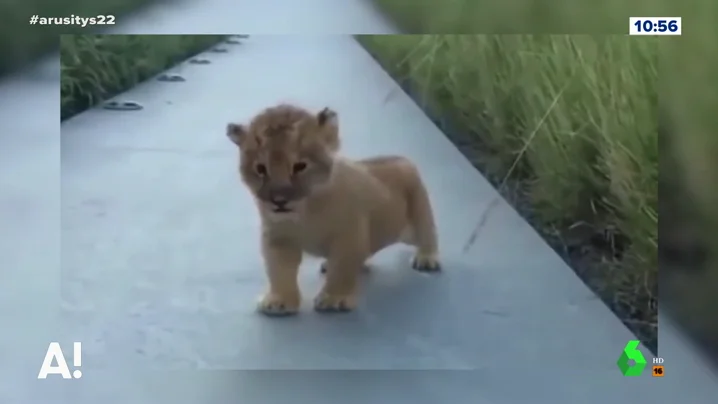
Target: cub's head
(285, 153)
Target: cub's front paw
(276, 305)
(331, 303)
(426, 263)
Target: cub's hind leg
(422, 228)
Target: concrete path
(29, 225)
(160, 268)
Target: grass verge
(96, 67)
(567, 128)
(21, 42)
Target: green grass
(96, 67)
(524, 16)
(570, 124)
(20, 42)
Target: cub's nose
(280, 196)
(280, 201)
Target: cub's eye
(299, 167)
(261, 169)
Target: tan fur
(329, 206)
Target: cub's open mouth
(278, 209)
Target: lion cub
(314, 201)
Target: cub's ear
(329, 126)
(236, 133)
(327, 116)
